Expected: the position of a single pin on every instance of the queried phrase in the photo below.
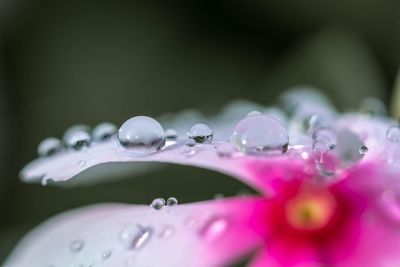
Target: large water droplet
(201, 133)
(49, 146)
(172, 201)
(158, 203)
(214, 228)
(260, 134)
(103, 131)
(135, 236)
(141, 135)
(254, 112)
(77, 137)
(393, 134)
(76, 245)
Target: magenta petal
(203, 234)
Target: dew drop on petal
(324, 139)
(77, 137)
(190, 142)
(254, 112)
(393, 134)
(166, 232)
(172, 201)
(158, 203)
(171, 134)
(106, 254)
(135, 236)
(141, 135)
(260, 134)
(372, 106)
(214, 228)
(225, 150)
(49, 146)
(200, 133)
(363, 150)
(103, 131)
(76, 246)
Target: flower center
(310, 211)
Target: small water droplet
(363, 150)
(254, 112)
(201, 133)
(324, 139)
(172, 201)
(106, 254)
(103, 131)
(49, 146)
(372, 106)
(214, 228)
(135, 236)
(77, 137)
(81, 163)
(260, 134)
(158, 203)
(393, 134)
(166, 232)
(141, 135)
(219, 196)
(171, 134)
(190, 142)
(225, 150)
(76, 245)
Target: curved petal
(376, 189)
(202, 234)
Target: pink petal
(203, 234)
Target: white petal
(195, 235)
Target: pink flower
(329, 191)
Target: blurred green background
(87, 61)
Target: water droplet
(254, 112)
(200, 133)
(49, 146)
(81, 163)
(225, 150)
(171, 134)
(172, 201)
(214, 228)
(167, 232)
(190, 142)
(158, 203)
(372, 106)
(103, 131)
(260, 134)
(77, 137)
(106, 254)
(142, 135)
(135, 236)
(324, 139)
(393, 134)
(363, 150)
(76, 245)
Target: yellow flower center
(310, 211)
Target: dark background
(88, 61)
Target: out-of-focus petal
(202, 234)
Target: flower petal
(201, 234)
